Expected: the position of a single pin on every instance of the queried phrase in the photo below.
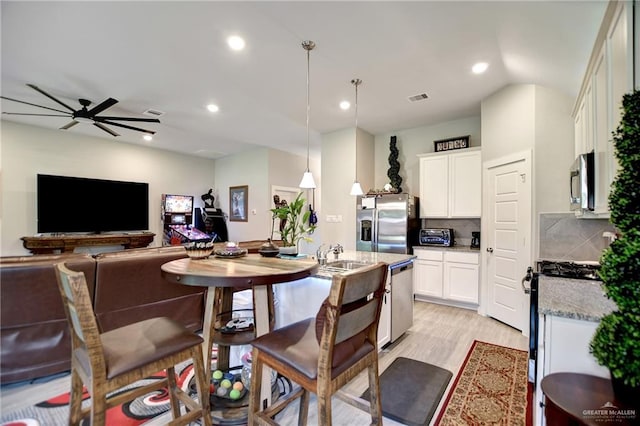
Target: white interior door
(507, 226)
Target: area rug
(490, 389)
(411, 390)
(55, 411)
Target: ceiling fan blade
(29, 103)
(111, 123)
(106, 129)
(102, 106)
(37, 89)
(146, 120)
(71, 124)
(39, 115)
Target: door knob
(490, 250)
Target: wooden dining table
(224, 276)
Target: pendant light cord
(356, 82)
(308, 106)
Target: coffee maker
(475, 240)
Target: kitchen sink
(344, 265)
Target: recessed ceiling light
(479, 68)
(147, 137)
(236, 42)
(213, 108)
(345, 105)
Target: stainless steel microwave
(582, 183)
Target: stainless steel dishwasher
(401, 298)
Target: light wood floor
(440, 335)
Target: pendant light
(307, 181)
(356, 189)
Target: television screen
(74, 204)
(178, 204)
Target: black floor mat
(411, 390)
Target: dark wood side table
(581, 399)
(67, 243)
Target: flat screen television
(75, 204)
(178, 204)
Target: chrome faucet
(337, 250)
(322, 255)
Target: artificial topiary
(616, 343)
(394, 166)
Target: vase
(624, 393)
(289, 250)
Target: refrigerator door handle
(374, 233)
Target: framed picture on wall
(460, 142)
(238, 203)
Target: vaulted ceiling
(172, 56)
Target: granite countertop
(365, 257)
(573, 298)
(454, 248)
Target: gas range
(568, 269)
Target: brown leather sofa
(126, 287)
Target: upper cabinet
(597, 110)
(450, 184)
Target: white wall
(508, 118)
(419, 140)
(259, 169)
(28, 150)
(554, 150)
(338, 173)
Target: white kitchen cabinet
(384, 325)
(597, 112)
(563, 346)
(428, 273)
(461, 276)
(450, 184)
(447, 276)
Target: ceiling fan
(84, 115)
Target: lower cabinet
(384, 325)
(447, 276)
(563, 346)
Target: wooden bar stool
(106, 362)
(324, 353)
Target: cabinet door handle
(490, 249)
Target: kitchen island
(301, 299)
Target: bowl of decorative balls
(227, 386)
(199, 250)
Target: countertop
(573, 298)
(454, 248)
(366, 257)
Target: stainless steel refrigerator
(387, 223)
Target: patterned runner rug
(490, 389)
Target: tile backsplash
(462, 228)
(564, 237)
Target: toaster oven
(442, 237)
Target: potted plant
(294, 224)
(616, 343)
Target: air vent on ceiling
(153, 113)
(420, 97)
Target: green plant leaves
(295, 228)
(616, 343)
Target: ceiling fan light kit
(86, 115)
